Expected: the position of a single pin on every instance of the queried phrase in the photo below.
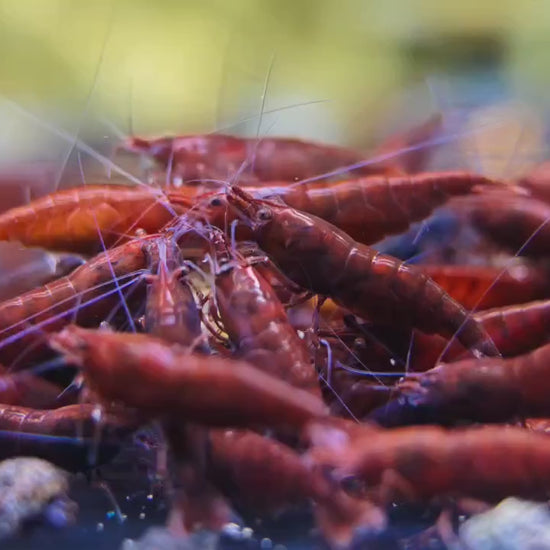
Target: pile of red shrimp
(237, 302)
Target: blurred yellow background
(332, 70)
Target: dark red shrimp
(514, 330)
(485, 390)
(356, 396)
(26, 268)
(73, 219)
(76, 437)
(319, 257)
(87, 295)
(371, 208)
(484, 287)
(264, 475)
(511, 220)
(417, 464)
(170, 311)
(29, 390)
(518, 329)
(219, 156)
(256, 321)
(160, 379)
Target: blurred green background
(336, 70)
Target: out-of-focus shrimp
(28, 390)
(319, 257)
(514, 330)
(26, 268)
(371, 208)
(87, 295)
(256, 321)
(74, 219)
(160, 379)
(76, 437)
(218, 156)
(487, 390)
(251, 467)
(368, 208)
(484, 287)
(417, 464)
(511, 220)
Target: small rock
(160, 538)
(513, 524)
(29, 488)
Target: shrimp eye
(264, 214)
(216, 201)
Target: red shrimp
(172, 314)
(349, 363)
(514, 330)
(217, 156)
(319, 257)
(76, 437)
(87, 295)
(256, 321)
(159, 379)
(26, 268)
(356, 396)
(28, 390)
(512, 221)
(170, 311)
(73, 219)
(486, 390)
(417, 464)
(264, 475)
(196, 501)
(371, 208)
(484, 287)
(518, 329)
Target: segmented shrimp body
(72, 219)
(250, 467)
(489, 390)
(371, 208)
(76, 437)
(226, 157)
(256, 321)
(484, 287)
(88, 295)
(170, 310)
(517, 223)
(29, 390)
(159, 379)
(420, 463)
(318, 256)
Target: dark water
(99, 528)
